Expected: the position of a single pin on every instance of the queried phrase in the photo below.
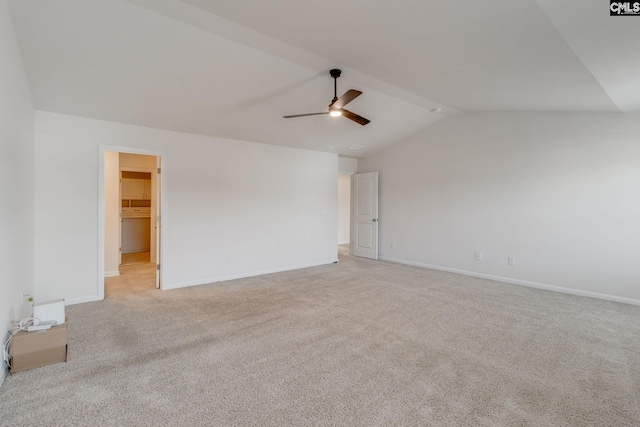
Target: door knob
(375, 220)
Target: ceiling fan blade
(348, 96)
(356, 118)
(303, 115)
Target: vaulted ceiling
(233, 68)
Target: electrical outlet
(26, 299)
(393, 245)
(229, 258)
(511, 260)
(478, 256)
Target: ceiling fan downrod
(335, 73)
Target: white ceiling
(232, 69)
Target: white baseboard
(111, 273)
(80, 300)
(92, 298)
(243, 275)
(344, 243)
(518, 282)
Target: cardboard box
(30, 350)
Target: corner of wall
(347, 165)
(17, 179)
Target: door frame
(101, 206)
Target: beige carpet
(359, 343)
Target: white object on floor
(51, 310)
(38, 327)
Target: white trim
(518, 282)
(100, 279)
(250, 274)
(346, 242)
(81, 300)
(163, 213)
(111, 273)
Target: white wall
(16, 180)
(269, 208)
(344, 209)
(347, 165)
(558, 191)
(111, 213)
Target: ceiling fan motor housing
(335, 73)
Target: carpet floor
(359, 343)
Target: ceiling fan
(335, 108)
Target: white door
(158, 219)
(364, 242)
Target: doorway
(135, 216)
(344, 213)
(132, 202)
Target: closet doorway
(135, 217)
(132, 227)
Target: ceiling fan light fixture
(336, 107)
